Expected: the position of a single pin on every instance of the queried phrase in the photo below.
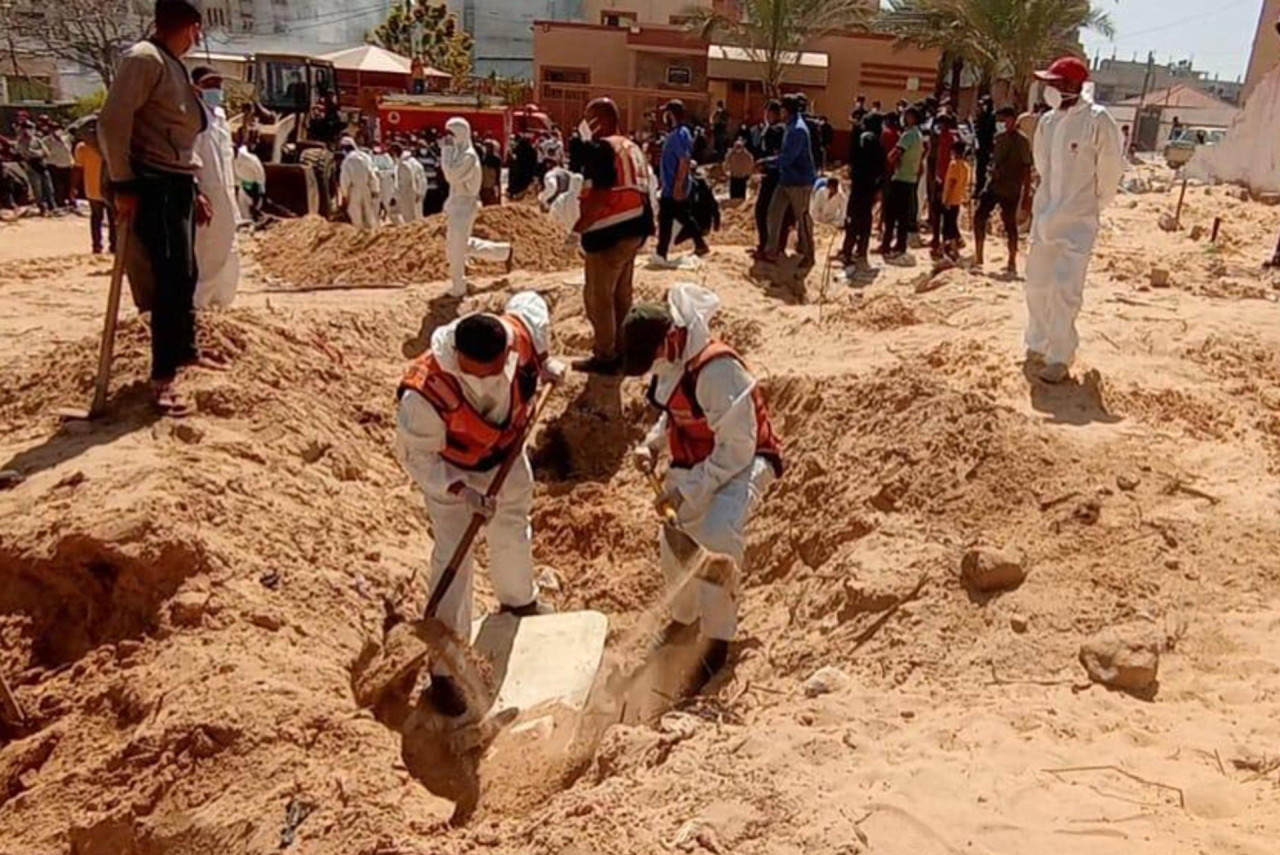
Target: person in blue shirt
(796, 175)
(677, 183)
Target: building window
(23, 88)
(679, 75)
(616, 18)
(681, 20)
(566, 75)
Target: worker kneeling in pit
(724, 452)
(464, 406)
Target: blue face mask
(212, 97)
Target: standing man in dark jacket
(984, 130)
(1009, 184)
(770, 145)
(866, 168)
(796, 174)
(147, 130)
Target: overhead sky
(1217, 34)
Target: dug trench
(188, 605)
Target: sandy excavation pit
(187, 607)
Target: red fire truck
(412, 114)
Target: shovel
(107, 349)
(431, 637)
(713, 567)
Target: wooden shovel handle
(478, 520)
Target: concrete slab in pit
(543, 658)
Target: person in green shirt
(904, 160)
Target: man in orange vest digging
(464, 405)
(724, 452)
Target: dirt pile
(738, 228)
(311, 252)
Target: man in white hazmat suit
(217, 258)
(463, 407)
(565, 208)
(358, 186)
(411, 185)
(387, 184)
(462, 171)
(724, 451)
(829, 202)
(1079, 156)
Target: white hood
(692, 308)
(461, 130)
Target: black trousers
(166, 226)
(738, 188)
(898, 201)
(99, 211)
(671, 212)
(767, 185)
(984, 164)
(913, 210)
(859, 221)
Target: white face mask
(584, 130)
(1053, 97)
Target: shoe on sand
(1034, 356)
(1055, 373)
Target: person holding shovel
(464, 408)
(724, 451)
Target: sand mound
(738, 228)
(311, 251)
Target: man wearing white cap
(1078, 153)
(358, 185)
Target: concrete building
(641, 64)
(1266, 46)
(1118, 80)
(502, 31)
(334, 23)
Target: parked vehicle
(412, 114)
(1178, 151)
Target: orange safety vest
(472, 442)
(690, 435)
(608, 206)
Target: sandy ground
(184, 606)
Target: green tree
(429, 31)
(93, 34)
(773, 32)
(1000, 38)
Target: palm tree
(998, 37)
(774, 32)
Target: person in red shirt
(889, 136)
(941, 142)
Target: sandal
(166, 398)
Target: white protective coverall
(387, 184)
(826, 208)
(249, 170)
(217, 257)
(566, 208)
(721, 491)
(554, 184)
(461, 166)
(420, 437)
(1079, 157)
(359, 186)
(411, 189)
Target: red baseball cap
(1069, 68)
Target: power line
(1181, 21)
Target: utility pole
(1142, 100)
